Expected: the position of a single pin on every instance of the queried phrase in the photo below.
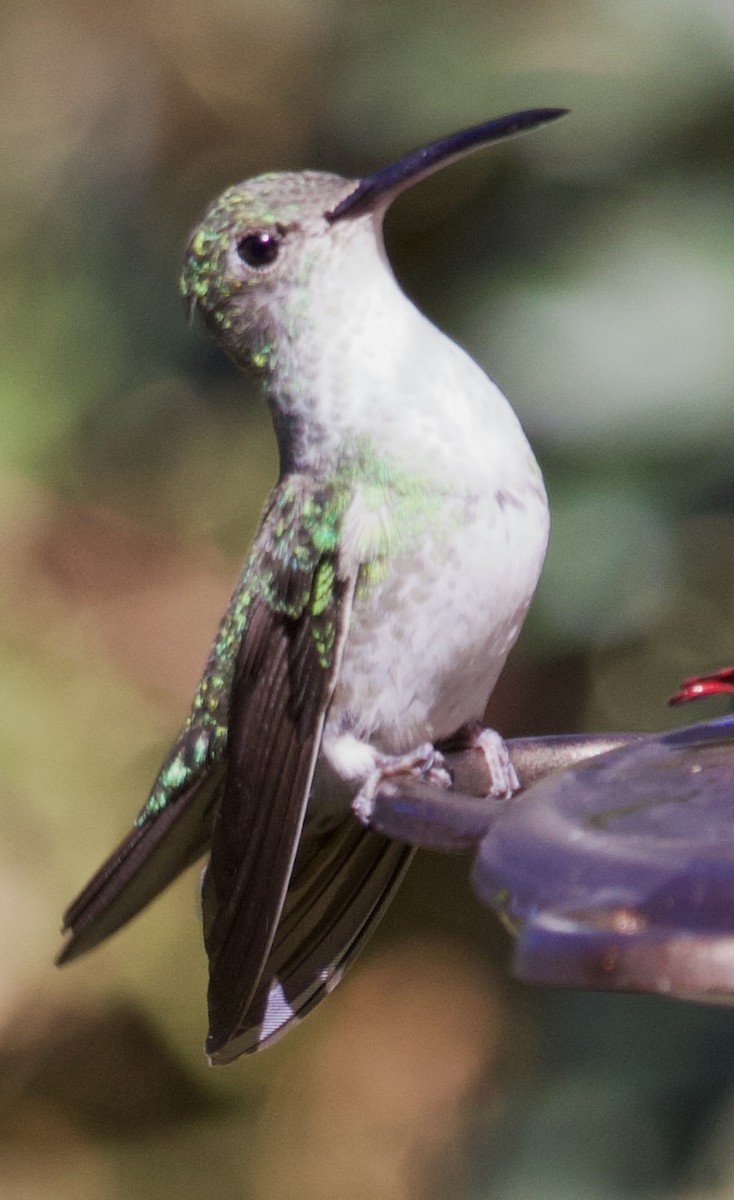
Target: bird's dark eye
(259, 249)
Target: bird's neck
(368, 377)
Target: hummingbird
(388, 579)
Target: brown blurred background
(590, 267)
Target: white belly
(426, 643)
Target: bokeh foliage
(590, 267)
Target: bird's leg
(425, 762)
(475, 736)
(358, 761)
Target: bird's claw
(505, 781)
(425, 762)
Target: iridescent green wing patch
(292, 568)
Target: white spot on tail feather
(277, 1012)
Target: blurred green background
(590, 267)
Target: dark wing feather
(274, 738)
(283, 682)
(279, 929)
(145, 862)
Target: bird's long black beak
(386, 183)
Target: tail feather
(341, 884)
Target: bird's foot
(425, 762)
(503, 776)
